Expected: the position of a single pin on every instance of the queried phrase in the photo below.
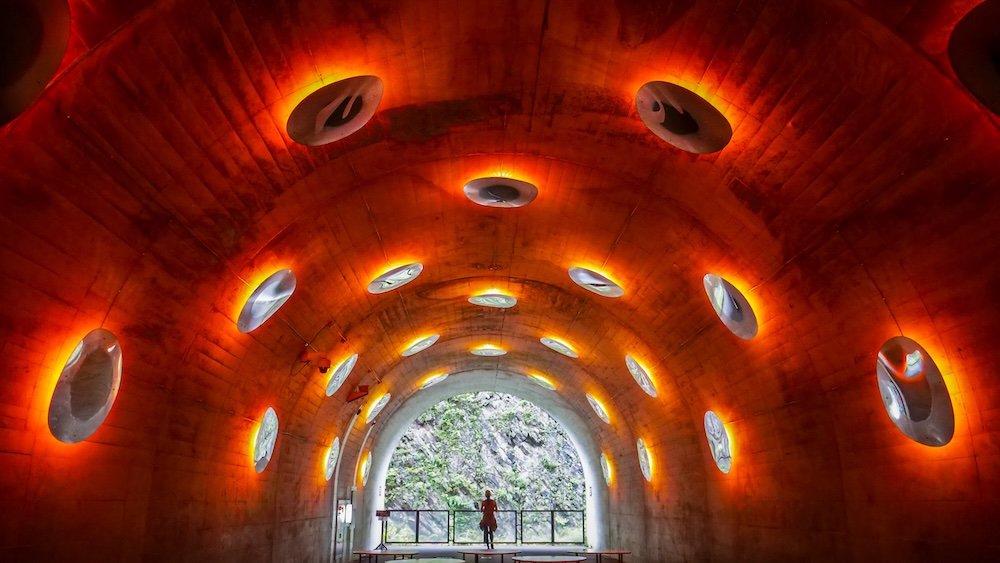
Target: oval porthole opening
(718, 442)
(420, 345)
(599, 410)
(87, 387)
(731, 306)
(497, 191)
(267, 436)
(332, 454)
(366, 467)
(265, 301)
(682, 118)
(488, 351)
(559, 346)
(335, 111)
(494, 300)
(33, 38)
(395, 278)
(542, 381)
(645, 461)
(974, 50)
(433, 380)
(377, 407)
(914, 392)
(606, 469)
(595, 282)
(640, 375)
(340, 374)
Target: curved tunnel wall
(152, 184)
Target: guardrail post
(552, 526)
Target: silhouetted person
(489, 522)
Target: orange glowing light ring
(559, 346)
(493, 299)
(340, 374)
(433, 380)
(542, 381)
(395, 278)
(599, 409)
(640, 375)
(377, 407)
(265, 300)
(335, 111)
(606, 469)
(645, 460)
(500, 191)
(365, 469)
(595, 282)
(87, 387)
(682, 118)
(718, 442)
(265, 440)
(419, 345)
(488, 351)
(332, 454)
(920, 405)
(731, 306)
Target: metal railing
(462, 527)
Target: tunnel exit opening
(470, 443)
(438, 454)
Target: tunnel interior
(744, 250)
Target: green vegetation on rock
(468, 443)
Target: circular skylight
(914, 393)
(263, 444)
(331, 457)
(495, 300)
(421, 345)
(335, 110)
(640, 375)
(340, 374)
(265, 301)
(645, 463)
(974, 50)
(718, 442)
(596, 283)
(433, 380)
(732, 308)
(682, 118)
(559, 346)
(33, 37)
(395, 278)
(87, 387)
(377, 407)
(488, 350)
(542, 381)
(366, 467)
(606, 469)
(497, 191)
(602, 413)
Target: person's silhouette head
(489, 493)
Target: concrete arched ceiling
(153, 185)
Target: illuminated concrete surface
(153, 186)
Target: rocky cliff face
(469, 443)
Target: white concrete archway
(386, 437)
